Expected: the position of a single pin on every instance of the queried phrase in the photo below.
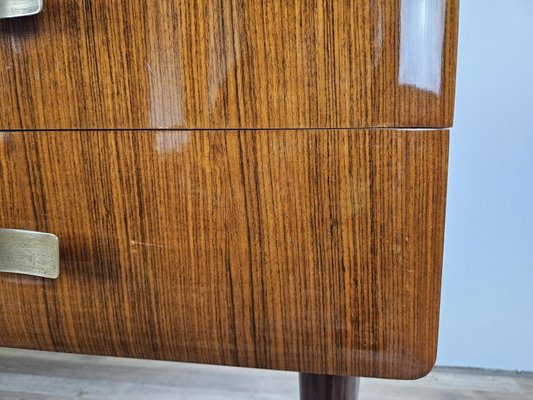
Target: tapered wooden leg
(328, 387)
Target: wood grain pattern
(218, 64)
(313, 251)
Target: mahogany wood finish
(327, 387)
(310, 250)
(217, 64)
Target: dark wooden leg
(328, 387)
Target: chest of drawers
(235, 182)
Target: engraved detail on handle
(29, 253)
(20, 8)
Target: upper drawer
(229, 64)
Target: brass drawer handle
(29, 253)
(20, 8)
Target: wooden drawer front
(229, 64)
(315, 251)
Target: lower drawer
(314, 251)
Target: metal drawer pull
(29, 253)
(20, 8)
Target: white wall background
(487, 299)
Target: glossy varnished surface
(229, 64)
(313, 251)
